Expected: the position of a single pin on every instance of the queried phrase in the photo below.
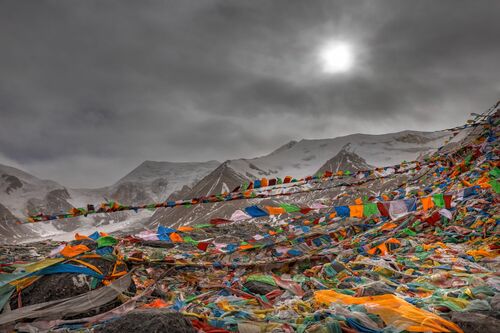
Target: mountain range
(22, 194)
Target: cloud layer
(90, 89)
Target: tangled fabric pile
(422, 256)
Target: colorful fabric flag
(176, 238)
(106, 241)
(72, 251)
(427, 203)
(397, 208)
(239, 215)
(342, 211)
(438, 199)
(255, 211)
(383, 208)
(290, 208)
(495, 185)
(164, 233)
(411, 204)
(356, 211)
(275, 210)
(370, 209)
(447, 200)
(446, 213)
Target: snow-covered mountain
(160, 179)
(22, 194)
(20, 191)
(306, 157)
(345, 160)
(300, 159)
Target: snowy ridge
(303, 158)
(299, 159)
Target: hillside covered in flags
(410, 247)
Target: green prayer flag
(201, 226)
(495, 173)
(495, 185)
(409, 232)
(370, 209)
(190, 240)
(106, 241)
(438, 200)
(279, 180)
(290, 208)
(267, 279)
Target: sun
(335, 57)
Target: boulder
(151, 320)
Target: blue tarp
(255, 211)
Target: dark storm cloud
(89, 89)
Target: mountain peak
(345, 159)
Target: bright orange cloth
(392, 310)
(72, 251)
(246, 247)
(356, 210)
(427, 203)
(81, 237)
(388, 226)
(185, 229)
(358, 201)
(157, 303)
(275, 210)
(176, 238)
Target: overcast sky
(90, 89)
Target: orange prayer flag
(72, 251)
(176, 238)
(388, 226)
(356, 210)
(358, 201)
(393, 241)
(246, 247)
(427, 203)
(264, 182)
(275, 210)
(185, 229)
(81, 237)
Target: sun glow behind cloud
(335, 57)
